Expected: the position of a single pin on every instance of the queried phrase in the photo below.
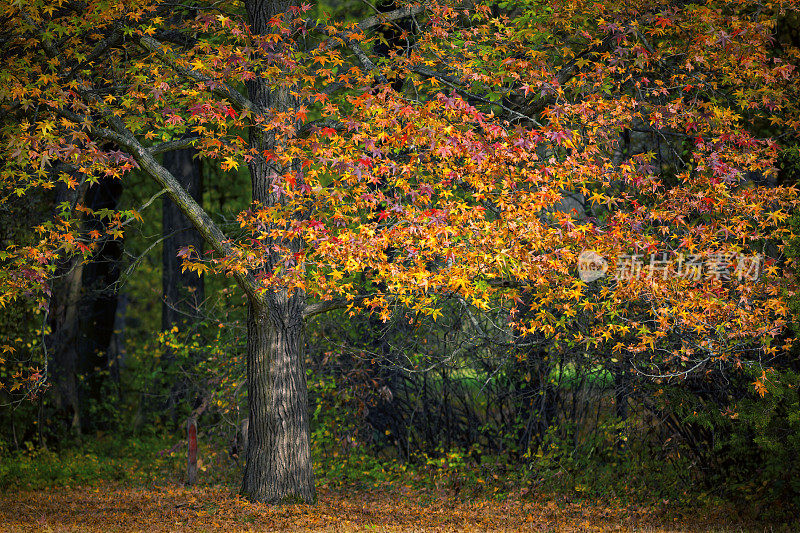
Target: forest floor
(115, 507)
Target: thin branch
(329, 305)
(146, 205)
(169, 146)
(458, 85)
(308, 127)
(219, 88)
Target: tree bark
(278, 467)
(182, 291)
(63, 339)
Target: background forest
(119, 321)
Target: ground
(110, 507)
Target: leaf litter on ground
(115, 507)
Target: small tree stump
(191, 434)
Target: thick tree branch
(188, 206)
(369, 23)
(390, 16)
(365, 61)
(105, 133)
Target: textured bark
(278, 466)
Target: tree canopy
(480, 154)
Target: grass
(133, 461)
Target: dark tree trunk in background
(182, 292)
(100, 277)
(278, 466)
(62, 342)
(622, 392)
(83, 309)
(393, 39)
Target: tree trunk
(62, 342)
(278, 468)
(182, 292)
(83, 308)
(98, 309)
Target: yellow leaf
(229, 163)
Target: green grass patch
(131, 461)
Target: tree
(183, 292)
(505, 112)
(83, 308)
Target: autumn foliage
(448, 188)
(475, 156)
(170, 508)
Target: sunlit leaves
(503, 158)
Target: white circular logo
(591, 266)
